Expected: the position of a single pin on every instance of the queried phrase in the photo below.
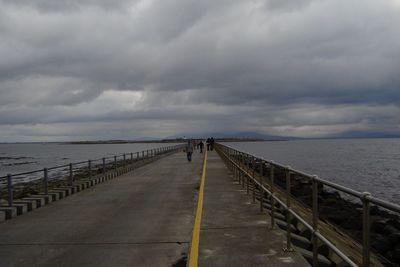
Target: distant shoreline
(178, 140)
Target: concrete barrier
(40, 202)
(60, 193)
(21, 208)
(67, 190)
(10, 212)
(47, 198)
(30, 204)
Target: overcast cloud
(90, 69)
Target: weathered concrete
(31, 204)
(140, 219)
(233, 231)
(10, 212)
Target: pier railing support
(90, 168)
(315, 219)
(248, 170)
(261, 186)
(288, 214)
(253, 167)
(366, 228)
(10, 190)
(71, 175)
(45, 181)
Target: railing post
(253, 180)
(143, 154)
(247, 171)
(104, 165)
(131, 158)
(242, 173)
(366, 228)
(10, 190)
(71, 175)
(236, 168)
(261, 186)
(90, 168)
(115, 162)
(288, 214)
(46, 182)
(124, 160)
(315, 219)
(271, 175)
(137, 156)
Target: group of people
(193, 144)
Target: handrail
(242, 169)
(68, 169)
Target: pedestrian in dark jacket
(212, 142)
(201, 145)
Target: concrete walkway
(233, 231)
(144, 218)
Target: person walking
(208, 142)
(212, 142)
(201, 145)
(189, 150)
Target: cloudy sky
(120, 69)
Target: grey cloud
(246, 61)
(70, 5)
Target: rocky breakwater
(347, 214)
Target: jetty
(154, 208)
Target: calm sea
(371, 165)
(17, 158)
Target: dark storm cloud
(308, 67)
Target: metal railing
(248, 168)
(14, 186)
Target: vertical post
(261, 186)
(366, 228)
(131, 158)
(143, 154)
(271, 175)
(253, 180)
(247, 171)
(242, 173)
(10, 190)
(90, 168)
(104, 165)
(71, 174)
(124, 160)
(288, 214)
(137, 156)
(236, 169)
(46, 182)
(115, 162)
(315, 219)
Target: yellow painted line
(194, 247)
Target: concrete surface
(139, 219)
(233, 231)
